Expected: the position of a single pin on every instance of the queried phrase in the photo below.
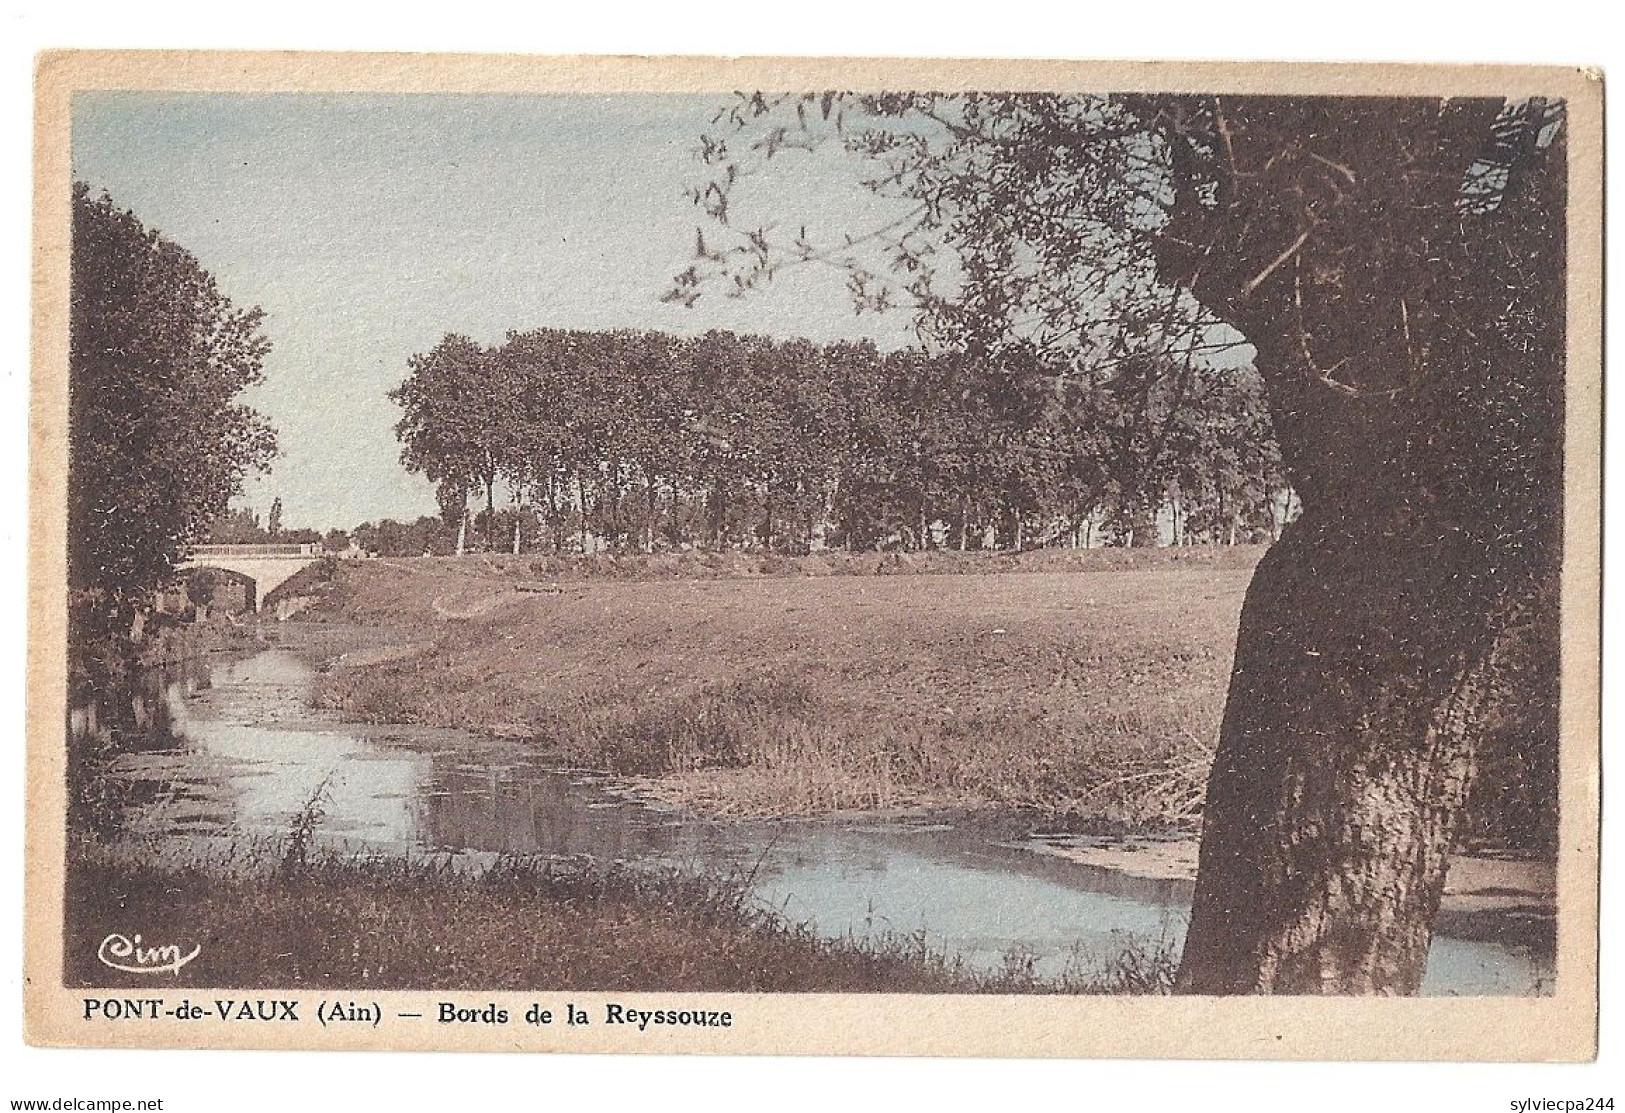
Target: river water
(237, 751)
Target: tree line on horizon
(641, 440)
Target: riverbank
(250, 762)
(375, 922)
(1094, 690)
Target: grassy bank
(354, 923)
(1095, 688)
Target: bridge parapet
(204, 553)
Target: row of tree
(642, 440)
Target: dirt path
(474, 610)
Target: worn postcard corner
(866, 556)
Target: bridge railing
(201, 552)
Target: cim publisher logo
(129, 955)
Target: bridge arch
(190, 575)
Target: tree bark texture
(1345, 757)
(1411, 349)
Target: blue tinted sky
(367, 226)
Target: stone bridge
(267, 566)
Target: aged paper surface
(208, 814)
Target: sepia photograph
(815, 556)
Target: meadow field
(1087, 682)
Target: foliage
(1022, 242)
(237, 526)
(241, 526)
(1136, 251)
(158, 440)
(455, 421)
(426, 536)
(644, 441)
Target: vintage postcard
(814, 556)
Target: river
(236, 750)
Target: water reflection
(235, 749)
(113, 721)
(135, 712)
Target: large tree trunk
(1345, 757)
(1412, 355)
